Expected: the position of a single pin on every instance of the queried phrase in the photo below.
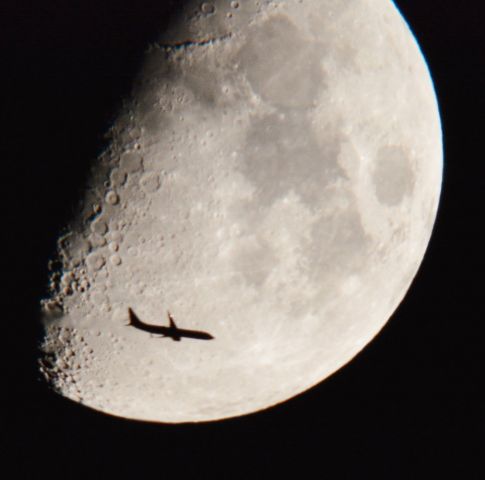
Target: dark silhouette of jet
(172, 331)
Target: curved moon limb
(273, 180)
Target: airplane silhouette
(172, 331)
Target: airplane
(173, 332)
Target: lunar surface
(273, 180)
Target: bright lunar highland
(273, 180)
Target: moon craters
(262, 176)
(207, 8)
(150, 182)
(99, 226)
(130, 162)
(393, 175)
(95, 261)
(117, 177)
(112, 197)
(115, 260)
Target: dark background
(407, 407)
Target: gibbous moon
(273, 181)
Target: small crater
(131, 162)
(112, 197)
(117, 177)
(95, 261)
(115, 236)
(150, 182)
(97, 240)
(99, 226)
(207, 8)
(67, 291)
(115, 260)
(135, 133)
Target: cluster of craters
(92, 246)
(66, 353)
(71, 362)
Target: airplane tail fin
(133, 320)
(171, 320)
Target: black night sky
(407, 407)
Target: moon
(273, 180)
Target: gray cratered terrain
(273, 180)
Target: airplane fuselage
(175, 332)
